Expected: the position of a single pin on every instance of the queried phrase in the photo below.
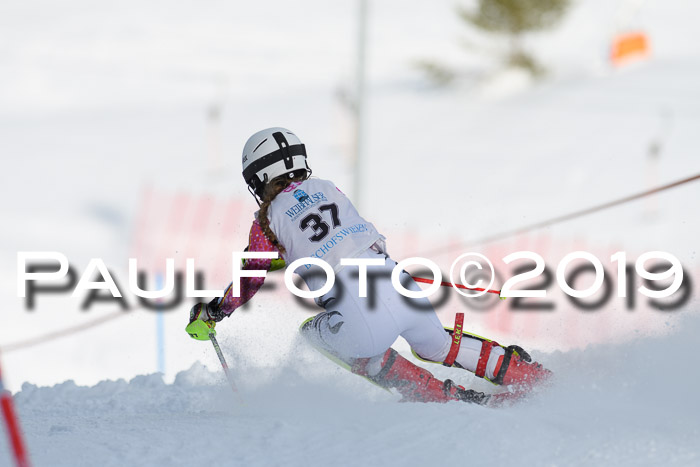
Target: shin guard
(514, 367)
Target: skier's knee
(323, 332)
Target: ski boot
(514, 368)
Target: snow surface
(631, 404)
(103, 108)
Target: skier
(302, 217)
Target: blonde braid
(272, 189)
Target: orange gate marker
(629, 46)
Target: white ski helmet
(270, 153)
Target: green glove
(277, 264)
(200, 330)
(203, 319)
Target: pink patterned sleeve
(257, 241)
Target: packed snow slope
(631, 404)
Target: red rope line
(565, 217)
(42, 339)
(459, 286)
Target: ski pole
(459, 286)
(224, 365)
